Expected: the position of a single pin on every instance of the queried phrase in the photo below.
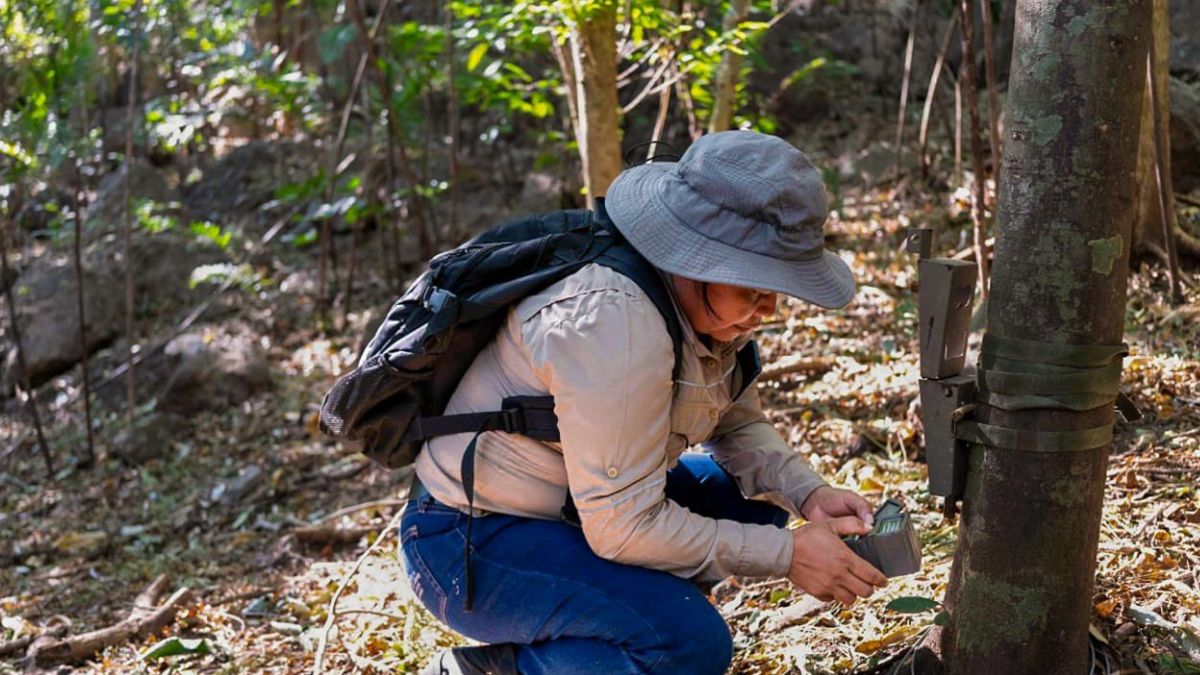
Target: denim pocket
(432, 547)
(424, 584)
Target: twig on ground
(355, 508)
(21, 644)
(243, 595)
(794, 614)
(374, 612)
(1149, 520)
(794, 363)
(331, 615)
(144, 619)
(329, 534)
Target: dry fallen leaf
(872, 646)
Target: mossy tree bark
(1020, 593)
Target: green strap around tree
(1016, 374)
(1039, 441)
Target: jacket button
(710, 363)
(713, 414)
(612, 472)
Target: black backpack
(393, 401)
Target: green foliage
(498, 40)
(243, 276)
(912, 604)
(154, 217)
(176, 646)
(212, 232)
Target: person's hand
(826, 503)
(825, 568)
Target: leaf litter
(220, 510)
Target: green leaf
(751, 26)
(18, 153)
(942, 619)
(212, 232)
(306, 238)
(476, 56)
(912, 604)
(541, 108)
(175, 646)
(779, 595)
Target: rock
(540, 192)
(163, 264)
(149, 438)
(247, 178)
(213, 373)
(1185, 38)
(230, 492)
(48, 316)
(39, 215)
(47, 307)
(1185, 135)
(107, 212)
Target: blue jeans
(537, 585)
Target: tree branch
(144, 619)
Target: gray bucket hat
(739, 208)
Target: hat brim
(635, 205)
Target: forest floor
(268, 523)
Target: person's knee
(698, 643)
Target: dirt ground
(268, 523)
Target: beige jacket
(596, 342)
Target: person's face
(721, 311)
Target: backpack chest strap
(531, 416)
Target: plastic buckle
(512, 420)
(436, 298)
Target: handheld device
(891, 545)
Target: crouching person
(581, 555)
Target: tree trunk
(14, 328)
(594, 57)
(130, 304)
(725, 81)
(1147, 215)
(971, 99)
(419, 207)
(903, 112)
(1021, 587)
(931, 93)
(989, 60)
(452, 124)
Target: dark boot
(485, 660)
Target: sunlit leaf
(912, 604)
(476, 56)
(175, 646)
(872, 646)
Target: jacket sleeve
(606, 358)
(749, 447)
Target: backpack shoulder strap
(534, 416)
(625, 259)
